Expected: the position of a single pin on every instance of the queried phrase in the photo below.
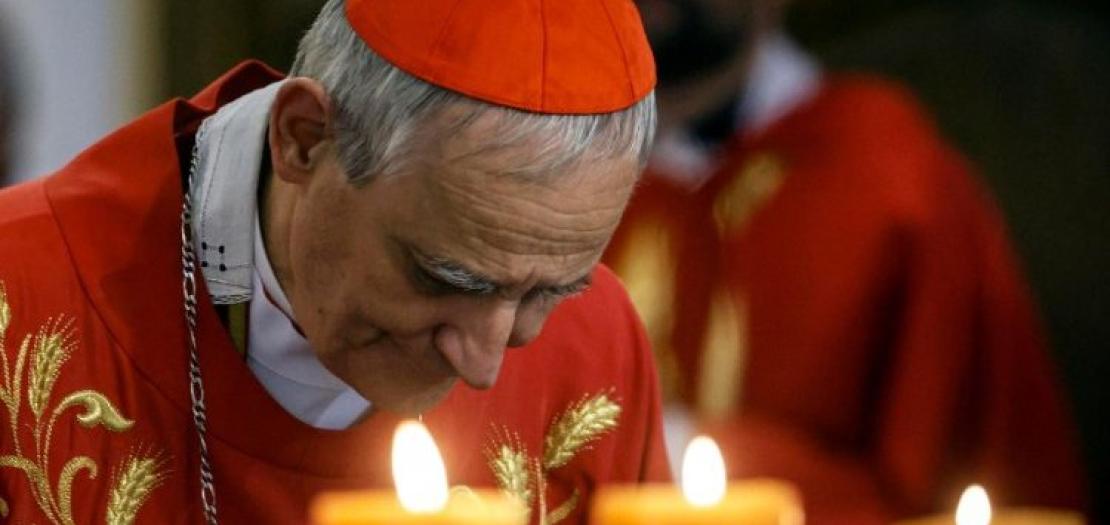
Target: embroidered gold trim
(723, 356)
(509, 462)
(53, 346)
(48, 350)
(564, 510)
(524, 476)
(759, 179)
(583, 423)
(132, 485)
(647, 265)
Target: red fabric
(894, 354)
(98, 244)
(570, 56)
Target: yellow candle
(463, 507)
(753, 502)
(975, 509)
(421, 496)
(705, 497)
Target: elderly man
(223, 308)
(830, 286)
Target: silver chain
(196, 382)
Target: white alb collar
(230, 145)
(781, 78)
(229, 149)
(284, 362)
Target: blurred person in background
(829, 289)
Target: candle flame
(974, 507)
(703, 473)
(418, 470)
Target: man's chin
(413, 403)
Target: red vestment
(96, 420)
(883, 349)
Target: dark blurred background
(1023, 88)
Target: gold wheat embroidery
(132, 485)
(46, 351)
(580, 425)
(509, 462)
(525, 477)
(52, 348)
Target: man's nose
(474, 339)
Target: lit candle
(422, 496)
(705, 498)
(974, 508)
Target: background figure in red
(829, 288)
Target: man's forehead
(487, 214)
(476, 222)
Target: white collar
(781, 78)
(230, 145)
(285, 364)
(229, 150)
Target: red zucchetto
(545, 56)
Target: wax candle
(463, 507)
(705, 497)
(974, 508)
(421, 496)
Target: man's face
(692, 37)
(414, 280)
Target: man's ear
(300, 131)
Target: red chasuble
(95, 422)
(846, 307)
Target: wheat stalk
(5, 319)
(563, 511)
(53, 346)
(580, 425)
(133, 485)
(5, 312)
(509, 462)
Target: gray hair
(381, 114)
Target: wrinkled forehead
(475, 207)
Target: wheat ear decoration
(133, 485)
(583, 423)
(5, 314)
(5, 319)
(509, 462)
(53, 346)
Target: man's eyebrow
(456, 275)
(461, 278)
(571, 288)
